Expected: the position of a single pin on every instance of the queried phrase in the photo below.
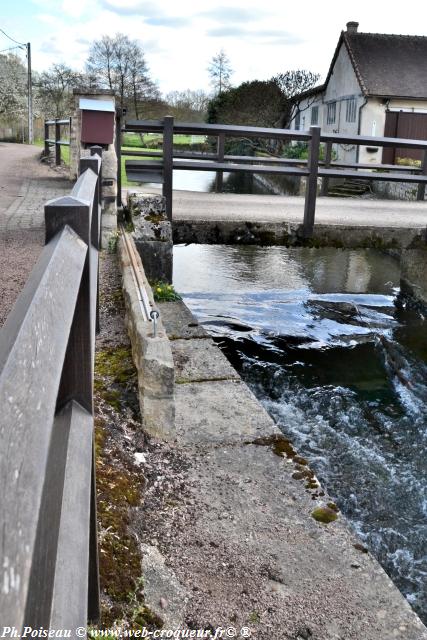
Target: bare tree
(101, 60)
(119, 64)
(220, 71)
(292, 83)
(55, 90)
(189, 104)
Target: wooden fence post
(46, 137)
(76, 383)
(118, 143)
(168, 163)
(57, 139)
(311, 187)
(93, 163)
(421, 185)
(220, 157)
(328, 157)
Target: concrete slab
(179, 322)
(340, 211)
(200, 360)
(310, 575)
(210, 413)
(163, 594)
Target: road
(25, 185)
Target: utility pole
(30, 97)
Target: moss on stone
(118, 489)
(324, 514)
(145, 618)
(114, 373)
(116, 364)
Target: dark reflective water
(318, 337)
(234, 183)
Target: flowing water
(318, 336)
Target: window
(315, 115)
(331, 113)
(350, 112)
(298, 121)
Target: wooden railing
(48, 514)
(161, 167)
(58, 140)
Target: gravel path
(25, 185)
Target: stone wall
(395, 190)
(413, 275)
(152, 355)
(152, 234)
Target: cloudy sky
(179, 37)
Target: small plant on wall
(164, 292)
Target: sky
(179, 37)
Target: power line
(13, 39)
(10, 49)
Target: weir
(342, 335)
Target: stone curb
(152, 355)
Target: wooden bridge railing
(57, 141)
(161, 169)
(47, 478)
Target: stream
(321, 340)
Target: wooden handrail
(161, 171)
(46, 423)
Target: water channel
(234, 183)
(342, 368)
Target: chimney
(352, 27)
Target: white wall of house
(306, 113)
(343, 88)
(417, 106)
(372, 124)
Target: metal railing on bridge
(160, 168)
(58, 141)
(48, 513)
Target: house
(376, 86)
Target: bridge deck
(329, 211)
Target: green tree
(259, 103)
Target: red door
(399, 124)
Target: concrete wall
(413, 264)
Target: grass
(152, 140)
(65, 151)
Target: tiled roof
(388, 65)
